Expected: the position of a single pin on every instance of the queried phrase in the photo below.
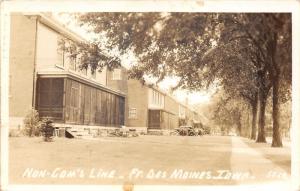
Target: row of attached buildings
(42, 76)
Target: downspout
(34, 66)
(106, 79)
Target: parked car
(188, 131)
(201, 131)
(207, 131)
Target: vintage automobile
(201, 131)
(187, 130)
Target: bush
(15, 133)
(32, 124)
(48, 129)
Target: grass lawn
(111, 160)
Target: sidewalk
(245, 158)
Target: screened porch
(71, 101)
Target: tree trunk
(239, 126)
(254, 117)
(275, 74)
(276, 140)
(261, 122)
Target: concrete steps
(78, 133)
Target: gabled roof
(57, 26)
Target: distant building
(148, 107)
(42, 76)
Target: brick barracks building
(45, 78)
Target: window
(132, 113)
(181, 111)
(153, 97)
(116, 74)
(156, 98)
(84, 71)
(159, 99)
(94, 74)
(60, 52)
(73, 65)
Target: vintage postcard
(150, 95)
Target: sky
(195, 97)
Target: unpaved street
(207, 160)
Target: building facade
(149, 108)
(44, 77)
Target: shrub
(32, 123)
(15, 133)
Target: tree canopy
(248, 54)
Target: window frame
(130, 114)
(60, 59)
(117, 76)
(94, 75)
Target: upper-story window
(84, 71)
(182, 111)
(116, 75)
(94, 74)
(73, 64)
(156, 99)
(60, 53)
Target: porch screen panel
(73, 106)
(103, 108)
(81, 104)
(154, 119)
(75, 102)
(98, 108)
(108, 106)
(113, 110)
(121, 110)
(93, 105)
(57, 92)
(44, 99)
(117, 120)
(68, 100)
(50, 97)
(87, 104)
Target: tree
(232, 59)
(228, 113)
(265, 33)
(161, 52)
(177, 44)
(279, 49)
(32, 123)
